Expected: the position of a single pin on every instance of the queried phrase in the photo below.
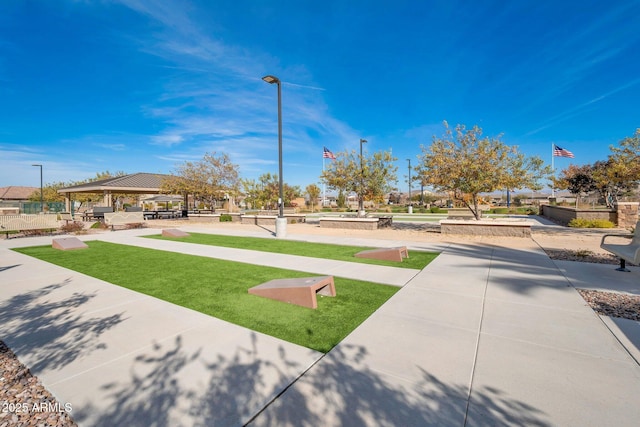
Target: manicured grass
(219, 288)
(417, 259)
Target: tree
(264, 193)
(49, 192)
(371, 182)
(249, 188)
(620, 174)
(578, 180)
(465, 164)
(211, 179)
(314, 192)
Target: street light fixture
(410, 208)
(41, 195)
(281, 221)
(360, 199)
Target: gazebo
(137, 183)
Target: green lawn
(219, 288)
(417, 259)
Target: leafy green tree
(370, 177)
(291, 192)
(465, 164)
(251, 191)
(263, 193)
(314, 192)
(341, 200)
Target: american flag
(327, 154)
(561, 152)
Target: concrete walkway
(484, 335)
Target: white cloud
(213, 98)
(167, 139)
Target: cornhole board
(174, 232)
(388, 254)
(300, 291)
(68, 244)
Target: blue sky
(141, 86)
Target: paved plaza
(490, 333)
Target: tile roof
(17, 193)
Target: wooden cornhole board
(174, 232)
(388, 254)
(300, 291)
(68, 243)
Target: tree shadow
(244, 388)
(519, 270)
(50, 331)
(171, 385)
(342, 390)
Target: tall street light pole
(281, 221)
(41, 195)
(410, 208)
(360, 199)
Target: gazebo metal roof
(143, 183)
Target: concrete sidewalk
(485, 335)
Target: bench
(66, 217)
(627, 253)
(18, 223)
(97, 213)
(124, 218)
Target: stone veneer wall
(624, 216)
(350, 223)
(564, 215)
(486, 228)
(627, 214)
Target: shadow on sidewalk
(49, 331)
(234, 390)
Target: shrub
(590, 223)
(72, 227)
(225, 218)
(436, 209)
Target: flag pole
(324, 184)
(553, 173)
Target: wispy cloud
(18, 161)
(215, 100)
(167, 139)
(113, 147)
(581, 108)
